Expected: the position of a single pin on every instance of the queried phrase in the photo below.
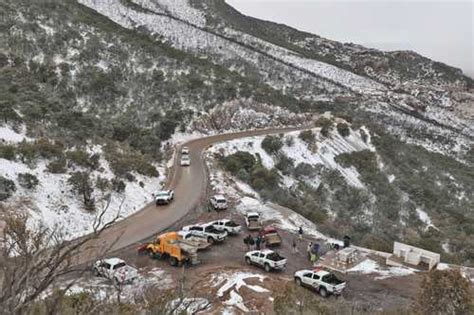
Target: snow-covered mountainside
(98, 89)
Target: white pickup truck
(164, 197)
(252, 220)
(320, 280)
(227, 225)
(116, 270)
(218, 202)
(206, 231)
(267, 259)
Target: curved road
(190, 185)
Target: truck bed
(254, 225)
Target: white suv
(320, 280)
(267, 259)
(218, 202)
(227, 225)
(116, 270)
(206, 231)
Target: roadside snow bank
(370, 266)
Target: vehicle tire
(248, 261)
(267, 268)
(95, 272)
(150, 254)
(298, 282)
(323, 292)
(210, 240)
(173, 261)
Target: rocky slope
(125, 75)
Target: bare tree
(32, 260)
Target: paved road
(189, 183)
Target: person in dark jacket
(300, 232)
(258, 241)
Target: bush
(285, 164)
(57, 166)
(307, 136)
(118, 185)
(304, 170)
(123, 163)
(7, 152)
(325, 131)
(444, 292)
(82, 158)
(27, 180)
(272, 144)
(243, 175)
(262, 178)
(289, 141)
(102, 184)
(81, 184)
(343, 129)
(240, 160)
(7, 188)
(323, 122)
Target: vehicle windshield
(163, 194)
(221, 200)
(253, 217)
(119, 265)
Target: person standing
(293, 246)
(308, 249)
(300, 232)
(258, 241)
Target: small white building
(411, 255)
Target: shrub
(323, 122)
(307, 136)
(123, 163)
(304, 170)
(81, 184)
(7, 188)
(289, 141)
(57, 166)
(239, 160)
(262, 178)
(47, 149)
(444, 292)
(285, 164)
(7, 152)
(243, 175)
(272, 144)
(27, 180)
(343, 129)
(118, 185)
(82, 158)
(102, 184)
(325, 131)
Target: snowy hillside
(53, 203)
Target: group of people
(250, 242)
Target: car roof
(269, 229)
(266, 251)
(113, 260)
(219, 196)
(163, 191)
(253, 213)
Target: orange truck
(171, 246)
